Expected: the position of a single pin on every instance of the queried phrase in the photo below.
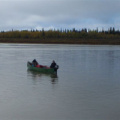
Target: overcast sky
(59, 14)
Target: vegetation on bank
(83, 36)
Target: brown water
(87, 86)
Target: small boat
(44, 69)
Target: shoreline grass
(63, 41)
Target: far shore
(83, 36)
(62, 41)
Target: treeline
(85, 36)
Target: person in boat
(53, 64)
(34, 63)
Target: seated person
(35, 63)
(53, 64)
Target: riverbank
(83, 36)
(63, 41)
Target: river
(86, 87)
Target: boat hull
(42, 70)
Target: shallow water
(86, 87)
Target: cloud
(32, 14)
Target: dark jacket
(53, 65)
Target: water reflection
(37, 76)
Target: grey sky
(59, 14)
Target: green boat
(43, 69)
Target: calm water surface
(87, 86)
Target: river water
(87, 86)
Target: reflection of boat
(42, 70)
(38, 75)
